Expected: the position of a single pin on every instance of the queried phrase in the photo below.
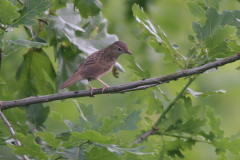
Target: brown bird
(98, 64)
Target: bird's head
(119, 48)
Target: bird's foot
(91, 88)
(105, 86)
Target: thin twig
(145, 135)
(154, 128)
(18, 143)
(120, 88)
(44, 21)
(20, 2)
(0, 58)
(139, 88)
(174, 102)
(185, 137)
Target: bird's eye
(119, 49)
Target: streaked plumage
(98, 64)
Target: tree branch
(144, 83)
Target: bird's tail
(71, 80)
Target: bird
(98, 64)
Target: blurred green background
(175, 19)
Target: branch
(145, 135)
(20, 2)
(144, 83)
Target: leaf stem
(185, 137)
(174, 102)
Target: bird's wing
(95, 66)
(94, 70)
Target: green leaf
(109, 124)
(120, 151)
(2, 81)
(142, 18)
(87, 119)
(35, 36)
(178, 114)
(191, 39)
(212, 3)
(196, 10)
(49, 138)
(2, 140)
(31, 80)
(7, 12)
(57, 4)
(32, 10)
(88, 7)
(154, 104)
(94, 137)
(223, 144)
(192, 126)
(95, 36)
(217, 43)
(17, 117)
(37, 115)
(90, 135)
(73, 153)
(26, 43)
(130, 120)
(214, 123)
(29, 147)
(234, 46)
(204, 94)
(137, 70)
(163, 95)
(211, 22)
(72, 141)
(101, 154)
(173, 148)
(57, 116)
(159, 41)
(193, 112)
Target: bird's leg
(105, 85)
(91, 88)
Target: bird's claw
(91, 88)
(105, 86)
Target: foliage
(70, 31)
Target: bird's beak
(128, 52)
